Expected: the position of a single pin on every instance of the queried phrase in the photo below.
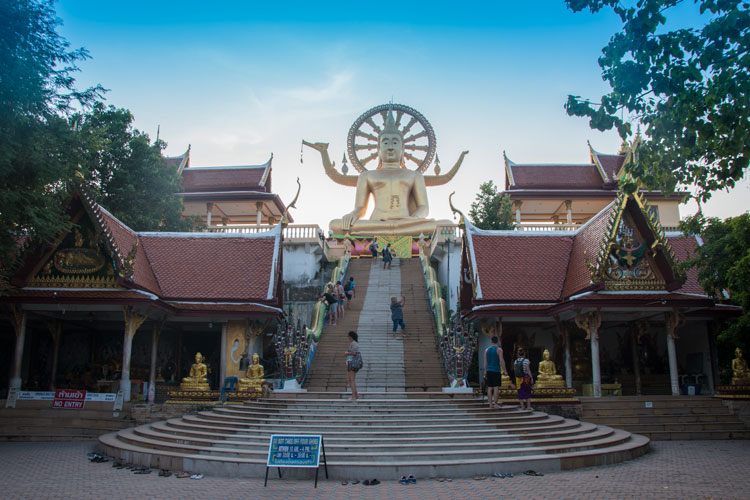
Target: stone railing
(292, 232)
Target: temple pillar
(517, 207)
(566, 346)
(673, 321)
(591, 323)
(55, 330)
(258, 213)
(569, 210)
(133, 321)
(713, 330)
(634, 352)
(223, 358)
(18, 319)
(155, 334)
(209, 208)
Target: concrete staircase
(390, 366)
(38, 421)
(670, 417)
(431, 436)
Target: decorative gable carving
(633, 242)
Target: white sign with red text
(69, 399)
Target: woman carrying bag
(353, 365)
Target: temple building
(590, 273)
(571, 194)
(106, 303)
(224, 196)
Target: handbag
(356, 362)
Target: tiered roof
(182, 273)
(544, 273)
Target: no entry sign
(70, 400)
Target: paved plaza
(673, 470)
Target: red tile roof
(211, 179)
(228, 268)
(586, 241)
(555, 176)
(521, 267)
(611, 164)
(684, 248)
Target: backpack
(348, 286)
(518, 370)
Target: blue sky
(241, 80)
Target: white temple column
(591, 323)
(517, 208)
(258, 213)
(18, 318)
(673, 320)
(155, 334)
(133, 321)
(223, 358)
(569, 209)
(568, 365)
(209, 208)
(55, 330)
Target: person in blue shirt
(494, 364)
(397, 315)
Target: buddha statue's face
(545, 355)
(255, 359)
(391, 148)
(198, 357)
(738, 352)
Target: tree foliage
(723, 264)
(689, 88)
(491, 210)
(36, 92)
(128, 174)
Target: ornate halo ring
(419, 138)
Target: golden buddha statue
(198, 378)
(254, 375)
(548, 376)
(740, 371)
(400, 194)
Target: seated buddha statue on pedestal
(400, 194)
(254, 380)
(548, 376)
(740, 371)
(198, 378)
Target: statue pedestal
(734, 391)
(195, 386)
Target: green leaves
(491, 210)
(688, 88)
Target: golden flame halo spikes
(419, 137)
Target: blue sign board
(294, 451)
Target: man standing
(397, 314)
(495, 368)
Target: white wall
(447, 256)
(301, 262)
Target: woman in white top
(351, 373)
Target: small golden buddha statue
(740, 371)
(254, 380)
(548, 376)
(198, 378)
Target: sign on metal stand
(287, 450)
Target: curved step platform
(383, 438)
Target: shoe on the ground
(403, 480)
(412, 479)
(196, 476)
(182, 475)
(498, 475)
(366, 482)
(356, 481)
(374, 482)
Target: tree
(128, 174)
(689, 88)
(723, 264)
(36, 94)
(491, 210)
